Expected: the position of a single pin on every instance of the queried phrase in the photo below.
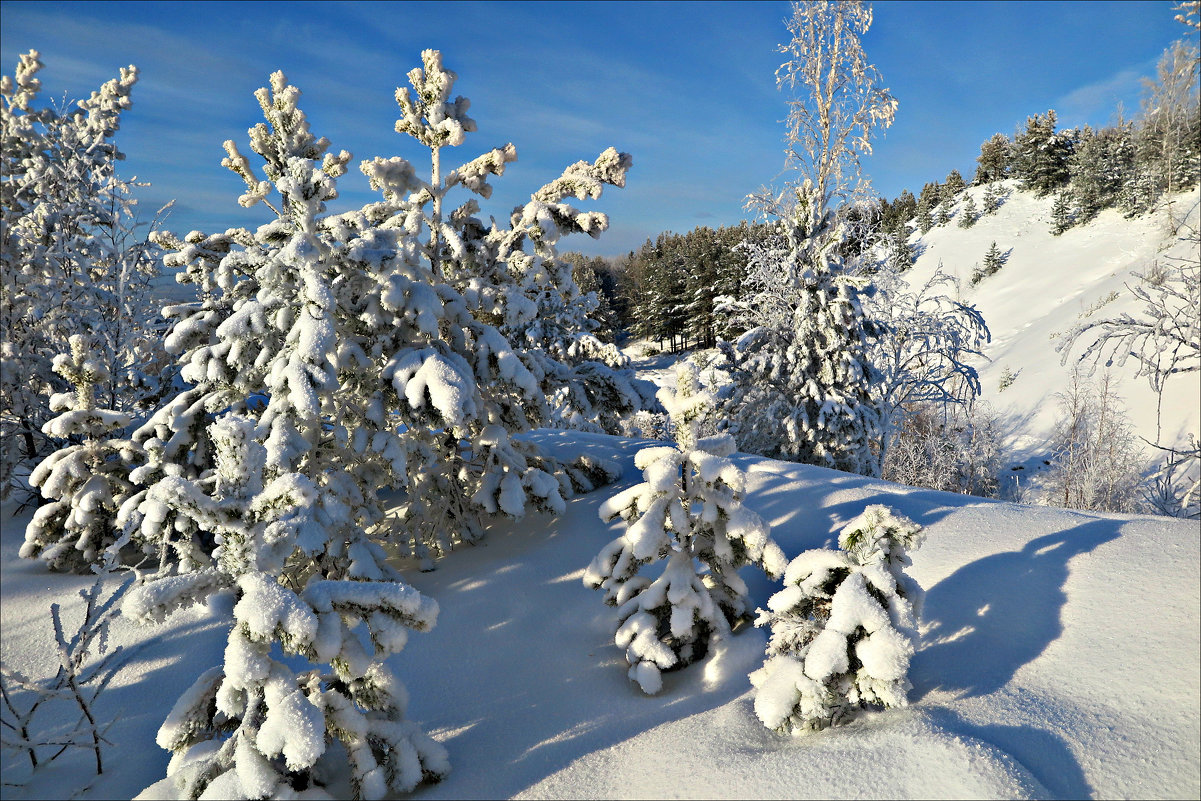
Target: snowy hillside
(1060, 659)
(1045, 285)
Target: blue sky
(687, 88)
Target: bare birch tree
(838, 102)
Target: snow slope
(1060, 659)
(1040, 293)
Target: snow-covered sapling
(689, 511)
(968, 214)
(85, 482)
(843, 628)
(252, 727)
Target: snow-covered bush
(954, 448)
(843, 628)
(1165, 341)
(85, 482)
(688, 511)
(72, 261)
(302, 577)
(923, 361)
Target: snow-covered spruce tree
(994, 260)
(1061, 214)
(843, 628)
(303, 578)
(1041, 154)
(422, 395)
(926, 201)
(953, 185)
(338, 357)
(994, 160)
(1101, 166)
(531, 299)
(968, 214)
(898, 251)
(803, 371)
(85, 482)
(71, 259)
(992, 199)
(943, 216)
(688, 511)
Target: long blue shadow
(994, 615)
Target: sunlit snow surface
(1060, 655)
(1045, 286)
(1060, 658)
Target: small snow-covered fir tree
(992, 199)
(253, 727)
(85, 482)
(803, 372)
(843, 628)
(530, 300)
(943, 216)
(968, 214)
(1061, 214)
(994, 260)
(512, 278)
(688, 511)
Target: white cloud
(1101, 98)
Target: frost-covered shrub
(86, 482)
(843, 628)
(688, 510)
(1097, 463)
(923, 362)
(85, 668)
(252, 727)
(953, 448)
(71, 260)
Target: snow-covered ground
(1046, 284)
(1060, 659)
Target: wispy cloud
(1100, 98)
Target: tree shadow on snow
(990, 617)
(1045, 754)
